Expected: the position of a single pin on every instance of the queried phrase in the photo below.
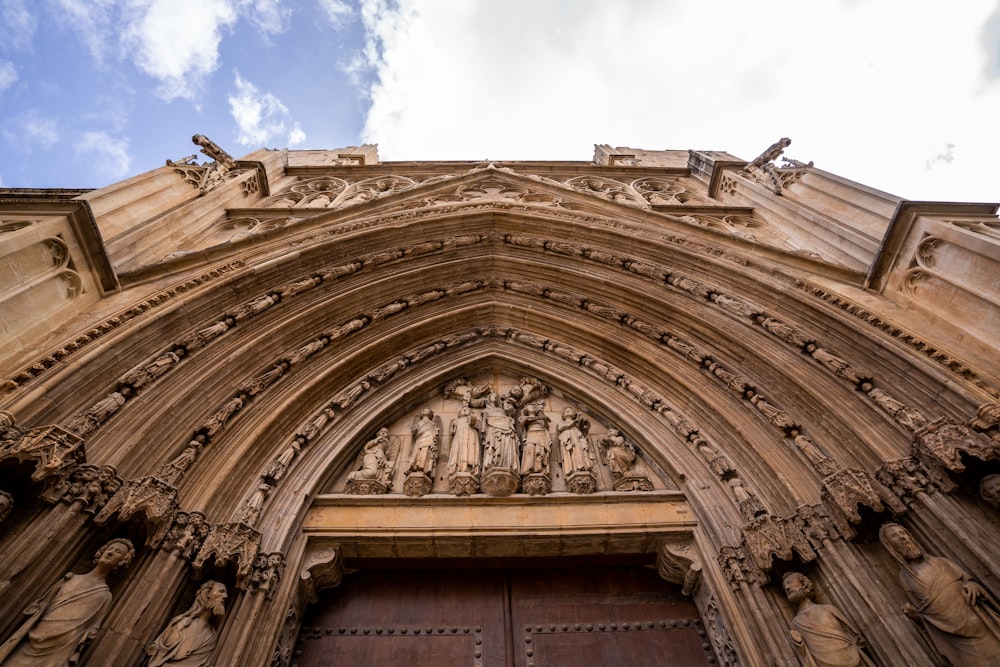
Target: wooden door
(523, 617)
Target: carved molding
(678, 562)
(322, 568)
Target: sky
(901, 95)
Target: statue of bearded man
(189, 639)
(827, 637)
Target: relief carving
(626, 466)
(678, 562)
(465, 456)
(146, 373)
(267, 573)
(942, 443)
(374, 473)
(767, 536)
(822, 633)
(6, 505)
(989, 490)
(847, 488)
(578, 459)
(426, 434)
(322, 568)
(186, 534)
(957, 614)
(189, 638)
(68, 616)
(87, 487)
(154, 498)
(231, 542)
(86, 423)
(501, 446)
(52, 449)
(535, 455)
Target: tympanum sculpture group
(498, 442)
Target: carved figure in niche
(189, 638)
(534, 424)
(578, 459)
(989, 489)
(68, 616)
(375, 464)
(6, 504)
(960, 617)
(500, 442)
(821, 631)
(426, 435)
(465, 456)
(628, 469)
(572, 431)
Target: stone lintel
(442, 527)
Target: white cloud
(108, 156)
(17, 25)
(8, 75)
(177, 41)
(31, 130)
(268, 15)
(94, 22)
(525, 79)
(261, 118)
(338, 12)
(296, 137)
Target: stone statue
(573, 441)
(426, 436)
(989, 489)
(465, 455)
(189, 638)
(501, 445)
(821, 631)
(6, 504)
(960, 618)
(68, 616)
(535, 425)
(373, 472)
(628, 469)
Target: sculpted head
(797, 587)
(212, 596)
(568, 412)
(117, 554)
(898, 542)
(426, 413)
(989, 489)
(6, 504)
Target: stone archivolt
(628, 299)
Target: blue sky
(903, 96)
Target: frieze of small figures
(86, 487)
(267, 572)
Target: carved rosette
(462, 484)
(942, 442)
(417, 484)
(581, 481)
(500, 482)
(366, 487)
(52, 449)
(767, 536)
(154, 498)
(536, 484)
(231, 543)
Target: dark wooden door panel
(528, 617)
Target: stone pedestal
(365, 487)
(417, 484)
(633, 484)
(500, 482)
(463, 484)
(581, 481)
(536, 484)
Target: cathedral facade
(661, 407)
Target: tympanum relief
(498, 436)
